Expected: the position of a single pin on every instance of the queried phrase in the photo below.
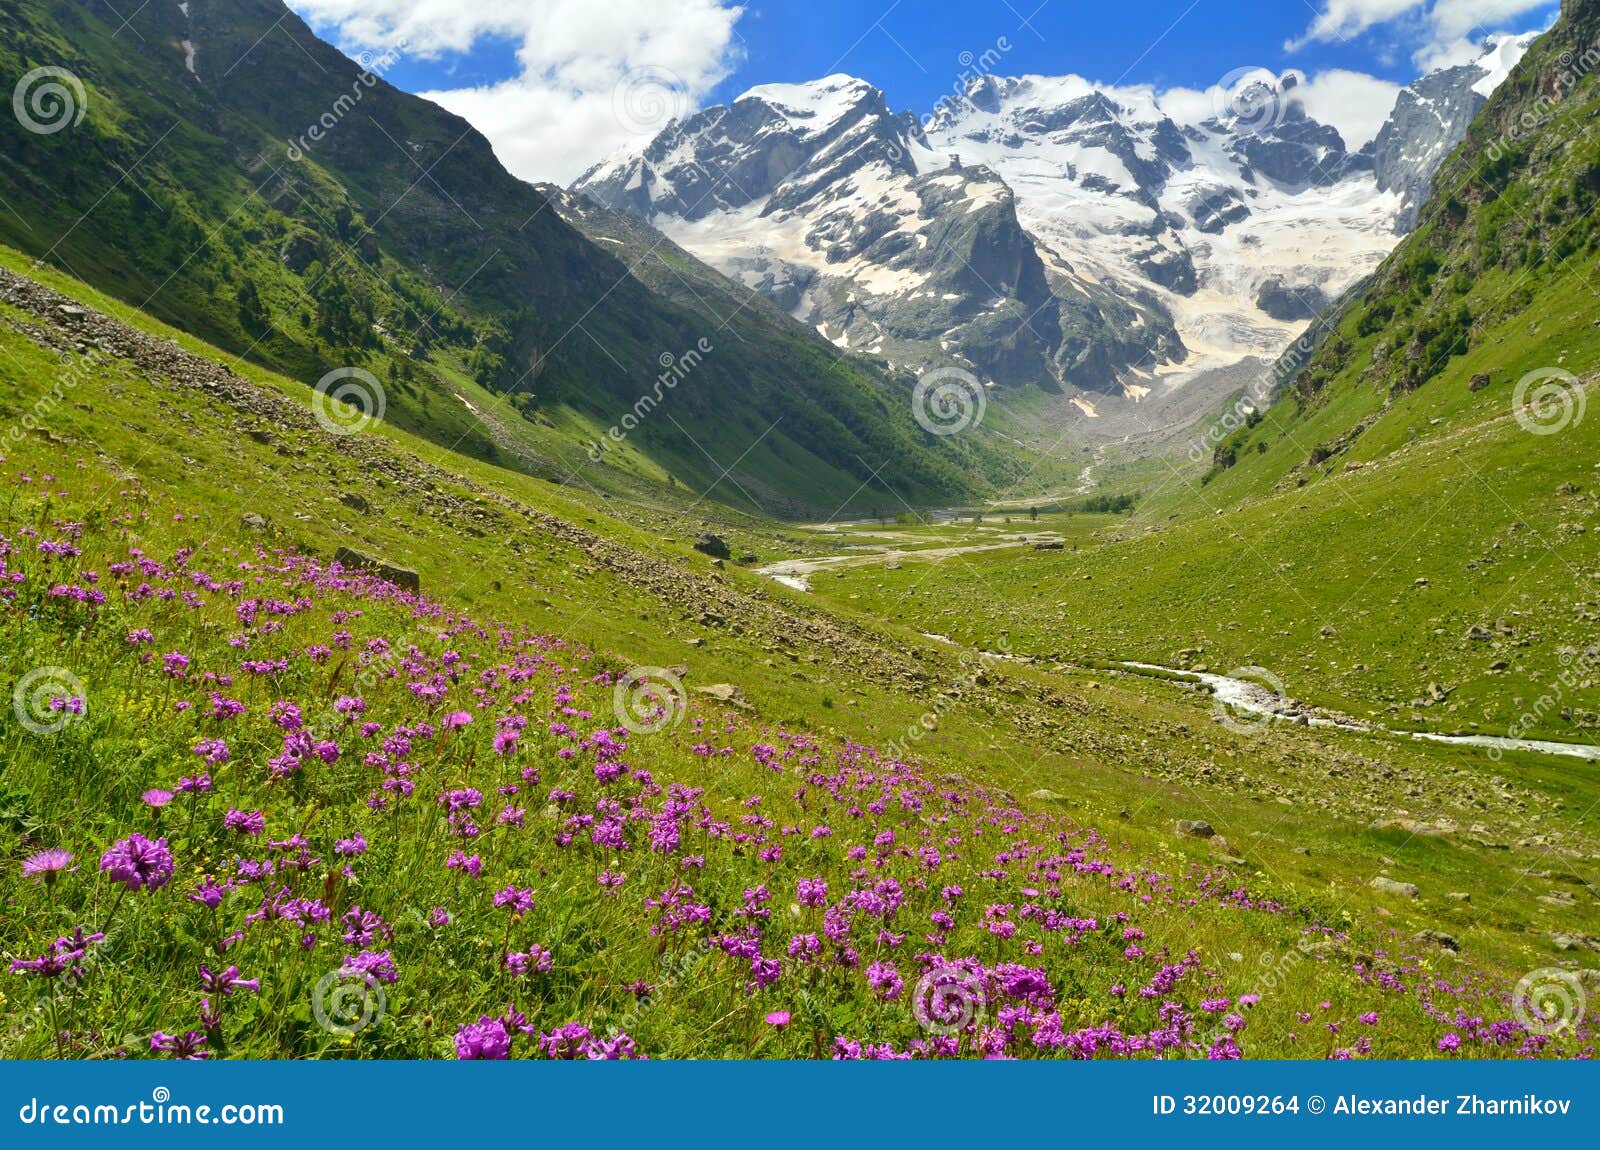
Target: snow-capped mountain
(1243, 224)
(1047, 230)
(1430, 118)
(817, 195)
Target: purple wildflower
(138, 863)
(44, 866)
(247, 822)
(486, 1038)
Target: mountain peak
(1431, 116)
(829, 95)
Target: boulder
(1390, 886)
(725, 693)
(713, 545)
(1199, 828)
(402, 577)
(1564, 941)
(254, 521)
(1290, 302)
(1415, 827)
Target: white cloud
(1353, 102)
(1189, 105)
(1439, 31)
(1342, 19)
(1468, 19)
(596, 75)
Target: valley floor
(594, 793)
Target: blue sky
(914, 51)
(554, 83)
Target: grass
(1049, 747)
(458, 848)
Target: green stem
(55, 1025)
(122, 893)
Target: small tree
(252, 313)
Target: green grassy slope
(138, 452)
(396, 243)
(1299, 808)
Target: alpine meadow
(1082, 569)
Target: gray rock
(727, 693)
(713, 545)
(1430, 118)
(402, 577)
(1565, 941)
(1289, 302)
(1199, 828)
(1390, 886)
(298, 252)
